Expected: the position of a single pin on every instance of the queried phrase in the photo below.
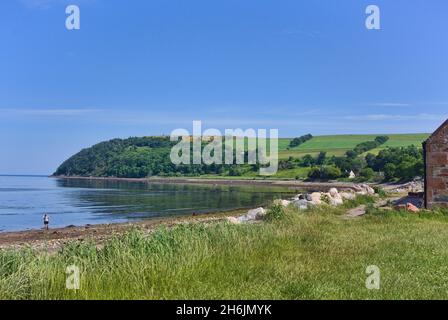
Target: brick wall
(436, 175)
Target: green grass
(333, 145)
(312, 255)
(339, 144)
(300, 172)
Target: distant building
(436, 168)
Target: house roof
(435, 133)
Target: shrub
(331, 172)
(314, 173)
(367, 173)
(389, 171)
(307, 161)
(380, 191)
(275, 212)
(325, 173)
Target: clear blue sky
(141, 67)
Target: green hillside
(338, 144)
(149, 156)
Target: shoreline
(53, 239)
(293, 184)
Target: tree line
(140, 157)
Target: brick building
(436, 168)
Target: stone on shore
(358, 211)
(283, 203)
(411, 208)
(298, 197)
(233, 220)
(333, 197)
(348, 195)
(254, 214)
(364, 189)
(316, 198)
(301, 204)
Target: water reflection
(143, 200)
(23, 200)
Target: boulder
(348, 195)
(364, 189)
(333, 192)
(256, 214)
(233, 220)
(336, 201)
(251, 215)
(316, 198)
(411, 208)
(334, 197)
(283, 203)
(352, 175)
(368, 189)
(302, 204)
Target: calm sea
(24, 199)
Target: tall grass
(315, 254)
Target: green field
(334, 145)
(317, 254)
(339, 144)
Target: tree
(367, 173)
(351, 154)
(389, 171)
(331, 172)
(381, 139)
(300, 140)
(307, 161)
(324, 173)
(321, 158)
(314, 173)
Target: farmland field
(339, 144)
(334, 145)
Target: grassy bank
(318, 254)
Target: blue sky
(142, 67)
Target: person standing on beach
(46, 221)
